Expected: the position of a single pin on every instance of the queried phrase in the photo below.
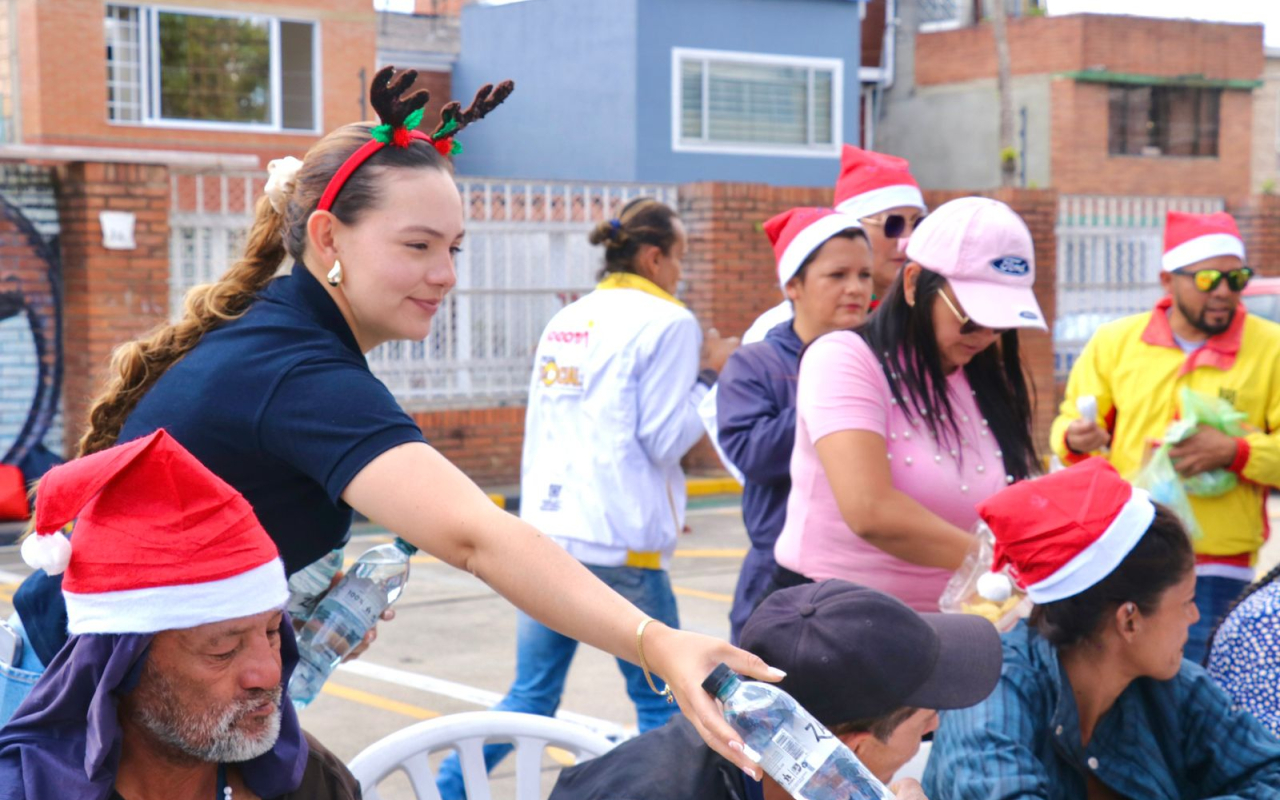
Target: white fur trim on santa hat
(1200, 248)
(810, 239)
(877, 200)
(166, 608)
(1100, 558)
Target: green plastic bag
(1214, 412)
(1159, 476)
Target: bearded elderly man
(172, 683)
(1199, 337)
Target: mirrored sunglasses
(1207, 280)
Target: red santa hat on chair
(798, 233)
(872, 182)
(1063, 533)
(160, 542)
(1192, 238)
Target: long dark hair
(904, 341)
(1249, 591)
(1160, 559)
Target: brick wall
(1145, 46)
(111, 296)
(64, 89)
(1259, 219)
(1080, 162)
(440, 86)
(483, 442)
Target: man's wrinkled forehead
(212, 632)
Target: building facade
(664, 90)
(226, 76)
(1103, 104)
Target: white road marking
(470, 694)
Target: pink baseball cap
(984, 250)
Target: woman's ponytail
(137, 365)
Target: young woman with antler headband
(264, 380)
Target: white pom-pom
(49, 552)
(995, 587)
(283, 174)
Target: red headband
(360, 156)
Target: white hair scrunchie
(283, 174)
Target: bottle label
(792, 762)
(362, 598)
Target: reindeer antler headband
(400, 117)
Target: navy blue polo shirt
(280, 404)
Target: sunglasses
(894, 225)
(967, 325)
(1208, 279)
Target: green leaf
(448, 129)
(413, 120)
(382, 133)
(456, 148)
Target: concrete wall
(951, 133)
(573, 112)
(810, 28)
(593, 84)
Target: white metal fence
(526, 255)
(1109, 262)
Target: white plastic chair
(410, 748)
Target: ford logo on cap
(1029, 315)
(1012, 265)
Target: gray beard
(207, 738)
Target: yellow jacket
(1135, 369)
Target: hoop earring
(335, 275)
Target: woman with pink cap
(903, 425)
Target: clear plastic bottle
(797, 751)
(346, 614)
(307, 586)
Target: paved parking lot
(451, 648)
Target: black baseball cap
(853, 653)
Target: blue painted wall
(572, 115)
(809, 28)
(593, 84)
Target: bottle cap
(720, 677)
(406, 546)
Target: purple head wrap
(64, 740)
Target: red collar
(1218, 352)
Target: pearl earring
(335, 274)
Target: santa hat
(1191, 238)
(873, 182)
(1065, 532)
(160, 542)
(797, 233)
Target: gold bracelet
(644, 665)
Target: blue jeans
(542, 663)
(17, 680)
(1214, 596)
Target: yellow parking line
(687, 592)
(378, 701)
(733, 552)
(562, 757)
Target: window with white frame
(754, 103)
(210, 69)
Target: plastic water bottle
(346, 614)
(307, 586)
(797, 751)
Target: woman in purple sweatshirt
(824, 267)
